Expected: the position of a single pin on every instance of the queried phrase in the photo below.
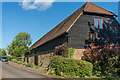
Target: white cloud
(36, 4)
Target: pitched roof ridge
(83, 6)
(45, 35)
(86, 5)
(66, 24)
(59, 26)
(98, 6)
(71, 15)
(61, 23)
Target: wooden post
(25, 60)
(22, 58)
(39, 59)
(33, 59)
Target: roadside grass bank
(39, 71)
(16, 62)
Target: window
(91, 37)
(101, 23)
(98, 23)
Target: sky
(38, 18)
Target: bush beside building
(70, 68)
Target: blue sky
(36, 22)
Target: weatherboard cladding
(79, 33)
(65, 25)
(50, 45)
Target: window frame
(91, 38)
(98, 22)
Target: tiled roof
(90, 7)
(66, 24)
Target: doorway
(36, 59)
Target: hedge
(29, 65)
(71, 68)
(36, 67)
(19, 62)
(14, 60)
(23, 63)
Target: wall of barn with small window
(98, 28)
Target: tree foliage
(71, 52)
(4, 53)
(20, 44)
(0, 52)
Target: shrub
(51, 71)
(29, 65)
(9, 58)
(70, 67)
(12, 57)
(62, 50)
(105, 59)
(19, 62)
(36, 67)
(20, 58)
(23, 63)
(14, 60)
(71, 52)
(17, 58)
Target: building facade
(89, 24)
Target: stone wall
(31, 59)
(46, 60)
(39, 60)
(43, 59)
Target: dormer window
(98, 23)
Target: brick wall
(78, 54)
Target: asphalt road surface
(12, 72)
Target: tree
(4, 53)
(0, 53)
(20, 44)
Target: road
(12, 72)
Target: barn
(89, 24)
